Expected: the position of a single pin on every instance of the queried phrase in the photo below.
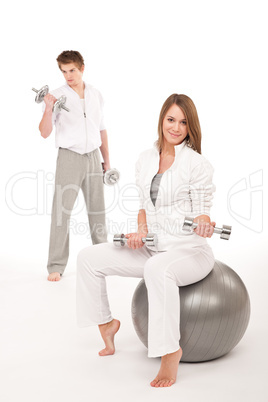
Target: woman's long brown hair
(193, 139)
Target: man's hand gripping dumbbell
(51, 102)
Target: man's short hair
(70, 56)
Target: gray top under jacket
(155, 187)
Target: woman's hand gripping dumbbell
(135, 240)
(207, 229)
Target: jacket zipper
(85, 116)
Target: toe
(153, 383)
(102, 352)
(106, 352)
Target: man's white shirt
(79, 129)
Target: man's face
(72, 74)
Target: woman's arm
(135, 239)
(142, 222)
(201, 194)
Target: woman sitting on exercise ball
(174, 181)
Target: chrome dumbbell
(225, 231)
(58, 105)
(150, 240)
(111, 176)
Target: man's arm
(105, 149)
(45, 126)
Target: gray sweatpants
(75, 171)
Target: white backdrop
(137, 54)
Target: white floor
(46, 357)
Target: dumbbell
(225, 231)
(111, 176)
(150, 240)
(58, 105)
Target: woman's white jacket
(186, 189)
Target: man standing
(79, 134)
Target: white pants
(163, 272)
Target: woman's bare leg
(108, 332)
(168, 370)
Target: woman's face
(174, 126)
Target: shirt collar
(178, 148)
(71, 89)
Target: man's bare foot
(53, 277)
(168, 371)
(108, 332)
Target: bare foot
(108, 332)
(168, 370)
(53, 277)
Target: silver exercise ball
(214, 314)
